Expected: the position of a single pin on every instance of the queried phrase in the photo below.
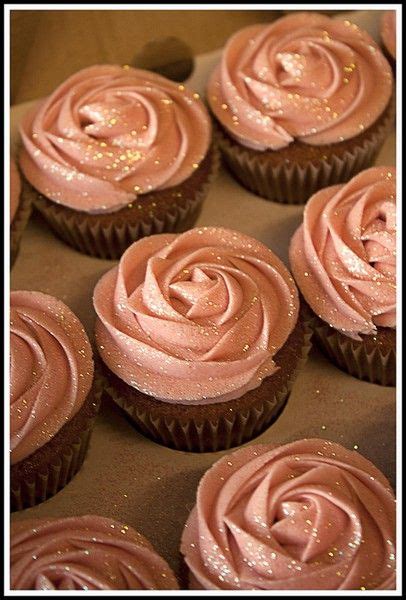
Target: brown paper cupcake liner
(18, 226)
(40, 484)
(47, 484)
(289, 182)
(109, 237)
(354, 357)
(207, 434)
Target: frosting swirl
(305, 76)
(84, 553)
(15, 189)
(110, 133)
(307, 515)
(388, 31)
(196, 317)
(51, 370)
(343, 257)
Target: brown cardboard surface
(49, 45)
(152, 488)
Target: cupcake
(343, 258)
(200, 337)
(84, 553)
(388, 35)
(52, 401)
(20, 210)
(300, 104)
(308, 515)
(117, 153)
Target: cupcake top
(307, 515)
(306, 77)
(84, 553)
(51, 370)
(195, 318)
(343, 256)
(15, 189)
(109, 134)
(388, 31)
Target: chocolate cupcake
(52, 401)
(20, 210)
(300, 104)
(388, 36)
(200, 336)
(84, 553)
(309, 515)
(343, 258)
(117, 153)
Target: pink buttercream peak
(51, 369)
(196, 317)
(110, 133)
(308, 515)
(15, 189)
(305, 76)
(84, 553)
(343, 256)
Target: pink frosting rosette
(388, 31)
(51, 370)
(305, 76)
(309, 515)
(110, 133)
(84, 553)
(343, 256)
(15, 189)
(197, 317)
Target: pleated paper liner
(108, 235)
(219, 426)
(290, 182)
(34, 480)
(367, 359)
(18, 226)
